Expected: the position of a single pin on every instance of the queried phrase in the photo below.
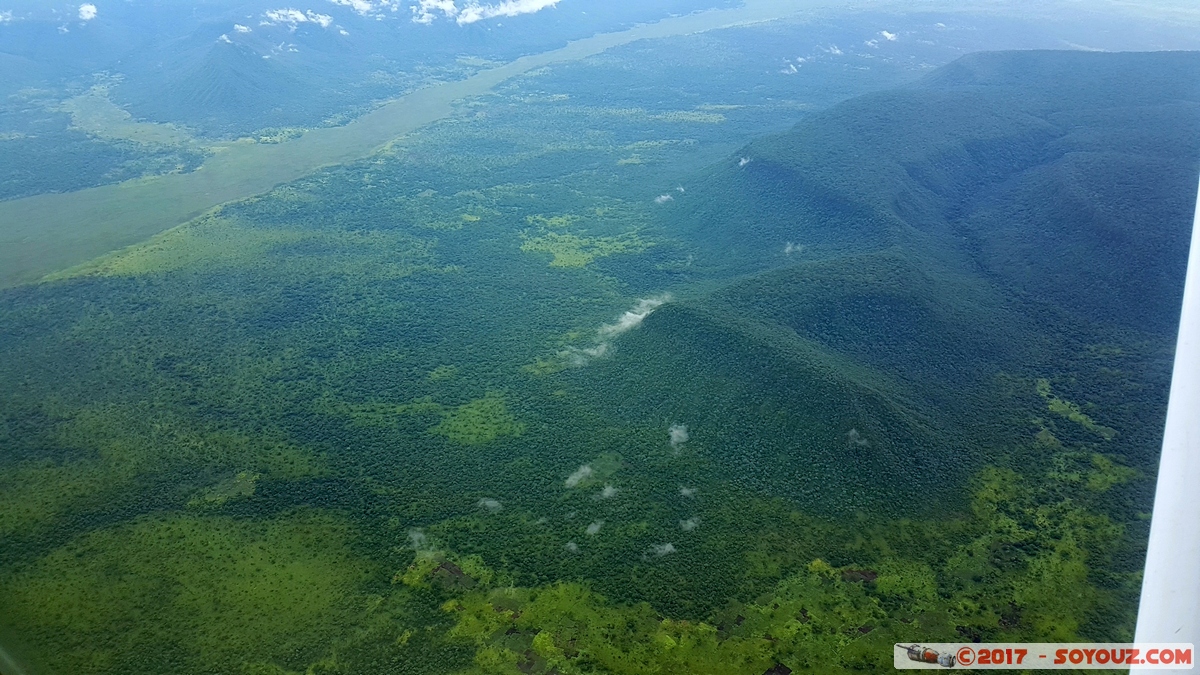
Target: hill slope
(925, 255)
(1016, 165)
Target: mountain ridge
(949, 237)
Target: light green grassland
(94, 113)
(212, 242)
(473, 423)
(573, 250)
(123, 446)
(479, 421)
(225, 591)
(1072, 412)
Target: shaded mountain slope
(925, 255)
(777, 412)
(1064, 161)
(1100, 234)
(214, 85)
(904, 318)
(864, 382)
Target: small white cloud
(579, 357)
(662, 549)
(939, 25)
(374, 8)
(490, 504)
(744, 161)
(680, 189)
(417, 540)
(608, 492)
(678, 434)
(663, 199)
(832, 49)
(289, 16)
(359, 6)
(225, 38)
(6, 16)
(87, 11)
(571, 547)
(474, 12)
(426, 11)
(689, 524)
(873, 44)
(687, 492)
(582, 473)
(294, 17)
(594, 528)
(855, 438)
(890, 37)
(792, 247)
(239, 28)
(343, 31)
(633, 318)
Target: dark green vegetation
(426, 413)
(47, 155)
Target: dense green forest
(588, 388)
(48, 155)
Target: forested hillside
(519, 394)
